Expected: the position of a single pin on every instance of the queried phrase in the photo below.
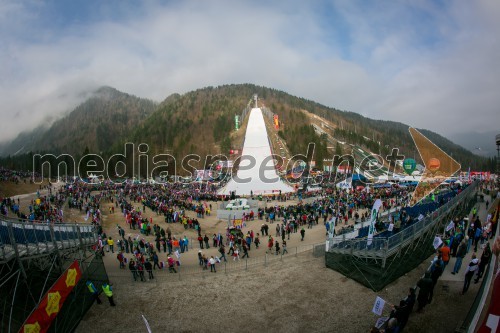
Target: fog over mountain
(482, 144)
(429, 64)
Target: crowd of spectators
(16, 176)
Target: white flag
(450, 226)
(381, 321)
(378, 307)
(376, 206)
(437, 242)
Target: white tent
(261, 177)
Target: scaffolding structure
(383, 261)
(32, 257)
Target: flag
(450, 226)
(378, 307)
(437, 242)
(41, 318)
(381, 321)
(376, 206)
(331, 231)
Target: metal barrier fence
(382, 246)
(20, 296)
(471, 320)
(386, 259)
(24, 239)
(197, 271)
(80, 300)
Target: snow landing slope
(259, 177)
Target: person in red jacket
(171, 264)
(445, 254)
(270, 244)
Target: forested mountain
(202, 122)
(104, 118)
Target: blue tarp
(358, 177)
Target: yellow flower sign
(41, 318)
(53, 303)
(32, 328)
(71, 278)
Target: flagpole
(147, 324)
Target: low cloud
(428, 66)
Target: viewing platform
(28, 239)
(391, 255)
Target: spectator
(461, 252)
(212, 262)
(111, 244)
(171, 264)
(469, 273)
(445, 254)
(149, 269)
(436, 271)
(132, 267)
(485, 260)
(425, 285)
(206, 239)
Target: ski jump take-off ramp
(256, 173)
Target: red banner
(491, 323)
(41, 318)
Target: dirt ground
(9, 188)
(295, 294)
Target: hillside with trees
(203, 122)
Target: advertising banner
(41, 318)
(373, 217)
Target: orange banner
(41, 318)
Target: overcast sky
(430, 64)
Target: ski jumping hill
(257, 172)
